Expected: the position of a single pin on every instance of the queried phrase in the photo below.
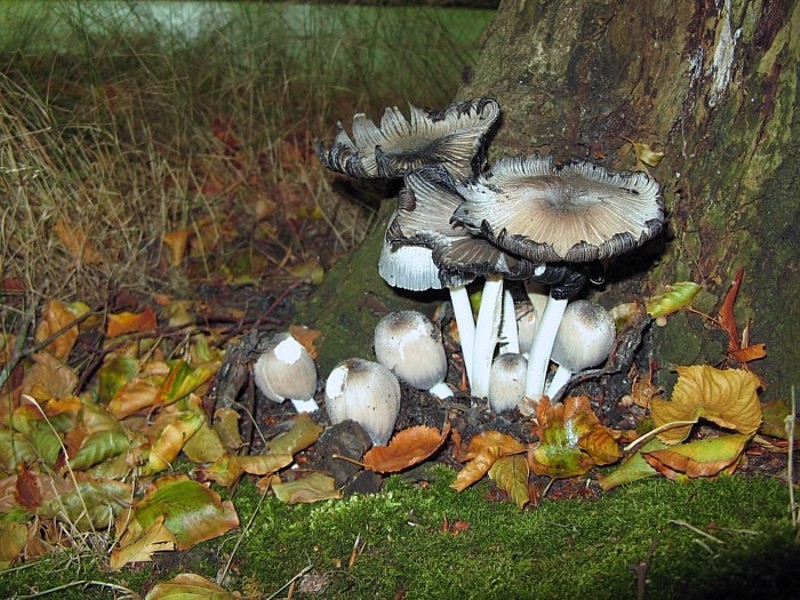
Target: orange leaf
(306, 337)
(406, 449)
(128, 322)
(701, 458)
(745, 355)
(725, 316)
(505, 444)
(476, 469)
(55, 316)
(177, 241)
(76, 243)
(28, 493)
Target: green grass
(560, 549)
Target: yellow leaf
(55, 316)
(645, 154)
(511, 474)
(476, 468)
(188, 586)
(141, 547)
(313, 488)
(726, 397)
(701, 458)
(128, 322)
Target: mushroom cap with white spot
(285, 369)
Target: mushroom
(407, 343)
(284, 370)
(507, 381)
(562, 215)
(423, 218)
(365, 392)
(454, 137)
(584, 339)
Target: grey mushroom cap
(454, 137)
(365, 392)
(585, 336)
(424, 210)
(285, 369)
(407, 342)
(574, 213)
(507, 382)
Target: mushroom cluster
(530, 220)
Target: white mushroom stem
(559, 380)
(462, 310)
(542, 347)
(509, 336)
(486, 330)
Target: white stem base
(542, 347)
(441, 390)
(305, 406)
(509, 336)
(559, 380)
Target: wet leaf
(571, 439)
(191, 511)
(775, 413)
(264, 464)
(726, 397)
(633, 468)
(28, 493)
(13, 539)
(128, 322)
(171, 441)
(55, 316)
(183, 379)
(407, 448)
(155, 538)
(476, 469)
(115, 372)
(224, 471)
(701, 458)
(312, 488)
(511, 474)
(303, 433)
(749, 353)
(676, 296)
(188, 586)
(99, 446)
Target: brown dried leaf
(55, 316)
(128, 322)
(726, 397)
(511, 474)
(476, 469)
(505, 444)
(49, 374)
(75, 241)
(407, 448)
(701, 458)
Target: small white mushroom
(285, 370)
(584, 340)
(507, 381)
(408, 344)
(365, 392)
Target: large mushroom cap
(575, 213)
(454, 137)
(423, 218)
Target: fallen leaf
(700, 458)
(306, 337)
(725, 316)
(177, 241)
(76, 242)
(13, 538)
(28, 493)
(171, 441)
(128, 322)
(407, 448)
(675, 297)
(476, 469)
(184, 379)
(56, 316)
(511, 474)
(188, 586)
(303, 432)
(633, 468)
(51, 374)
(505, 444)
(571, 439)
(775, 414)
(645, 155)
(313, 488)
(726, 397)
(483, 450)
(749, 353)
(155, 538)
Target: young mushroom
(285, 370)
(365, 392)
(408, 344)
(507, 381)
(584, 340)
(454, 137)
(562, 215)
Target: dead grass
(136, 134)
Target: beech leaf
(155, 538)
(303, 432)
(407, 448)
(13, 539)
(171, 440)
(675, 297)
(476, 469)
(99, 446)
(726, 397)
(313, 488)
(511, 474)
(701, 458)
(188, 586)
(128, 322)
(775, 413)
(55, 316)
(571, 439)
(633, 468)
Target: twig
(642, 568)
(305, 570)
(84, 582)
(789, 425)
(695, 529)
(224, 573)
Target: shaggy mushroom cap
(585, 336)
(454, 137)
(574, 213)
(365, 392)
(285, 370)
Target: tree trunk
(713, 85)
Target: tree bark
(713, 85)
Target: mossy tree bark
(713, 85)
